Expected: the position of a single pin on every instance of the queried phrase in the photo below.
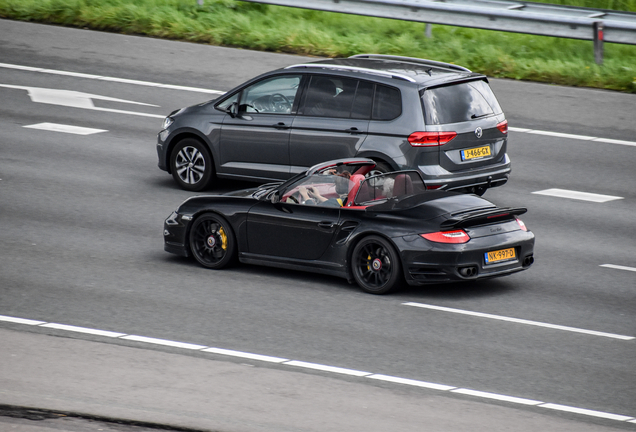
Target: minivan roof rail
(353, 69)
(412, 60)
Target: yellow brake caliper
(223, 238)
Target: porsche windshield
(380, 188)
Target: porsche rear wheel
(212, 242)
(376, 265)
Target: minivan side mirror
(232, 109)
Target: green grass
(290, 30)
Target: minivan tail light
(430, 139)
(456, 236)
(503, 127)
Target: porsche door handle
(326, 225)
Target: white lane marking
(618, 267)
(398, 380)
(587, 412)
(70, 98)
(83, 330)
(75, 99)
(326, 368)
(573, 136)
(411, 382)
(163, 342)
(106, 78)
(584, 196)
(20, 320)
(519, 321)
(496, 396)
(247, 355)
(56, 127)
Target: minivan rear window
(459, 103)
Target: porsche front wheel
(376, 265)
(212, 242)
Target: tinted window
(329, 96)
(387, 103)
(363, 101)
(274, 95)
(459, 103)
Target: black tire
(212, 242)
(376, 265)
(191, 165)
(380, 168)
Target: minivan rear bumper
(437, 177)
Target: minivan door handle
(353, 130)
(281, 125)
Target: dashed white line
(618, 267)
(164, 342)
(106, 78)
(326, 368)
(246, 355)
(587, 412)
(496, 396)
(584, 196)
(573, 136)
(55, 127)
(519, 321)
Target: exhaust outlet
(527, 261)
(468, 271)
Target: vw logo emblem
(479, 132)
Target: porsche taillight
(522, 225)
(430, 139)
(455, 236)
(503, 127)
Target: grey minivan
(402, 112)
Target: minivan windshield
(459, 103)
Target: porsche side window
(271, 96)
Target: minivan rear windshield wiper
(474, 116)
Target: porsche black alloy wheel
(191, 165)
(212, 242)
(376, 265)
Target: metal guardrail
(598, 25)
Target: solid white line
(573, 136)
(411, 382)
(326, 368)
(584, 196)
(105, 78)
(83, 330)
(20, 320)
(520, 321)
(56, 127)
(163, 342)
(245, 355)
(333, 369)
(496, 396)
(618, 267)
(587, 412)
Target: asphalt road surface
(81, 213)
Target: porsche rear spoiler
(481, 217)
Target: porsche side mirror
(275, 197)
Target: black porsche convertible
(378, 231)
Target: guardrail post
(598, 42)
(428, 31)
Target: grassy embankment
(280, 29)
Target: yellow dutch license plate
(475, 153)
(500, 255)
